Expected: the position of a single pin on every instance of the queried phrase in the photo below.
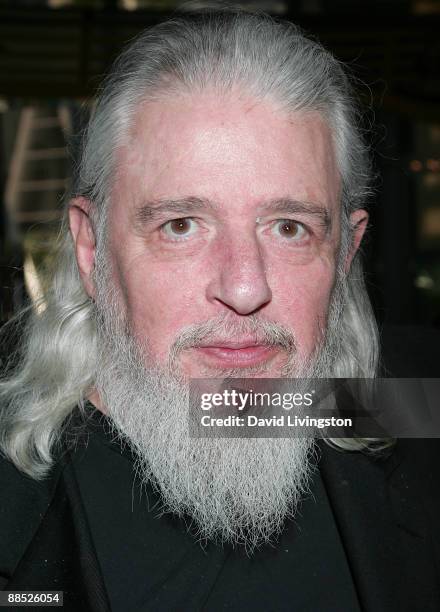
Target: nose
(240, 280)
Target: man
(213, 230)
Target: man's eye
(179, 228)
(289, 229)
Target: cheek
(303, 300)
(159, 300)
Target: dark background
(53, 54)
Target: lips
(243, 353)
(237, 345)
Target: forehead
(232, 149)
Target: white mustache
(225, 328)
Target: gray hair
(224, 49)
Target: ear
(84, 240)
(358, 225)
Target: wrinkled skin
(199, 226)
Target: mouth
(236, 354)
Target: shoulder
(419, 458)
(24, 504)
(416, 476)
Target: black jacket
(387, 511)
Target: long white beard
(239, 491)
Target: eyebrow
(293, 207)
(153, 210)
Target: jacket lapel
(61, 556)
(383, 529)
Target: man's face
(223, 207)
